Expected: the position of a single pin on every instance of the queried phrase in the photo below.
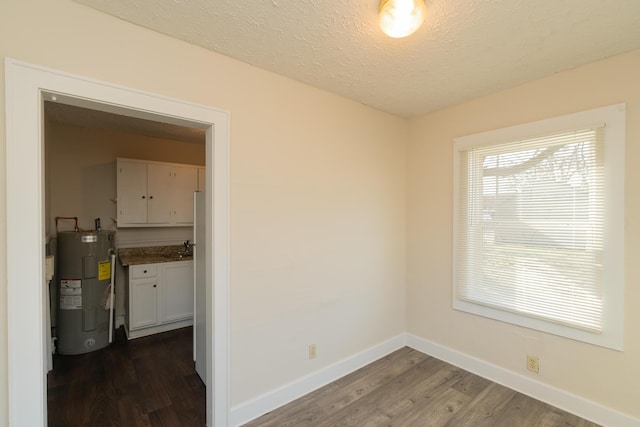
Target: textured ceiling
(465, 49)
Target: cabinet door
(143, 304)
(160, 185)
(132, 192)
(177, 283)
(186, 182)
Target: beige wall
(317, 191)
(605, 376)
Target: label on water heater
(104, 270)
(89, 238)
(70, 294)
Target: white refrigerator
(199, 283)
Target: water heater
(84, 275)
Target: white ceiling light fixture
(401, 18)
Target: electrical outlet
(533, 364)
(312, 351)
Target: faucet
(187, 247)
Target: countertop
(152, 255)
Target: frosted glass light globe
(401, 18)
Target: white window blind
(531, 222)
(538, 228)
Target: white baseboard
(559, 398)
(144, 332)
(254, 408)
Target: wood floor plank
(471, 385)
(303, 410)
(165, 417)
(131, 413)
(481, 410)
(522, 411)
(178, 392)
(570, 420)
(307, 415)
(435, 412)
(434, 401)
(362, 386)
(154, 395)
(555, 417)
(102, 406)
(374, 366)
(437, 406)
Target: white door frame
(27, 86)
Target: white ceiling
(465, 49)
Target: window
(539, 225)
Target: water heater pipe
(75, 218)
(111, 286)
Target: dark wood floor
(408, 388)
(148, 381)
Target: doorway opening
(27, 86)
(144, 379)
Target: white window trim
(613, 275)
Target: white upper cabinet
(154, 194)
(160, 191)
(186, 182)
(132, 192)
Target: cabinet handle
(151, 197)
(144, 197)
(145, 272)
(154, 286)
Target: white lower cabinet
(160, 297)
(178, 291)
(143, 303)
